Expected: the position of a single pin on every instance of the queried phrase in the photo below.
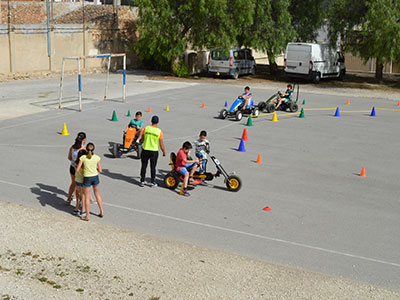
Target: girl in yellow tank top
(91, 168)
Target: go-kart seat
(173, 160)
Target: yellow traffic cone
(167, 108)
(274, 117)
(64, 130)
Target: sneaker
(75, 212)
(142, 184)
(68, 202)
(154, 184)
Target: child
(201, 150)
(80, 198)
(72, 153)
(138, 124)
(184, 165)
(91, 168)
(285, 96)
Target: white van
(313, 61)
(233, 62)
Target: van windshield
(219, 54)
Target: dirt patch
(47, 255)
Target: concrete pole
(9, 38)
(48, 32)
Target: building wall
(29, 51)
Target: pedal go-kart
(270, 104)
(173, 178)
(237, 111)
(127, 144)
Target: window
(219, 54)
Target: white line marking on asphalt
(235, 231)
(253, 235)
(16, 184)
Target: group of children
(186, 165)
(84, 169)
(85, 165)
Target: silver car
(233, 62)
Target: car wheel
(270, 108)
(236, 74)
(293, 107)
(171, 181)
(223, 114)
(317, 77)
(233, 183)
(341, 75)
(238, 115)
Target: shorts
(72, 170)
(184, 170)
(78, 183)
(91, 181)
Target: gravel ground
(50, 255)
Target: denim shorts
(78, 183)
(91, 181)
(184, 170)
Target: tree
(369, 28)
(271, 29)
(163, 28)
(307, 18)
(168, 27)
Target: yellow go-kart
(173, 178)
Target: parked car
(233, 62)
(313, 61)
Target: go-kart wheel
(115, 151)
(262, 105)
(233, 183)
(238, 115)
(256, 112)
(293, 107)
(270, 108)
(223, 114)
(139, 151)
(171, 181)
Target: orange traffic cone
(258, 161)
(362, 174)
(149, 109)
(244, 135)
(348, 101)
(203, 105)
(398, 103)
(267, 208)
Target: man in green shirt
(152, 138)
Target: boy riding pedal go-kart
(174, 177)
(281, 101)
(131, 137)
(243, 105)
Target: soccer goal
(78, 60)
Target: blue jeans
(203, 162)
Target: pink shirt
(179, 159)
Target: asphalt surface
(324, 216)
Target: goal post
(78, 60)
